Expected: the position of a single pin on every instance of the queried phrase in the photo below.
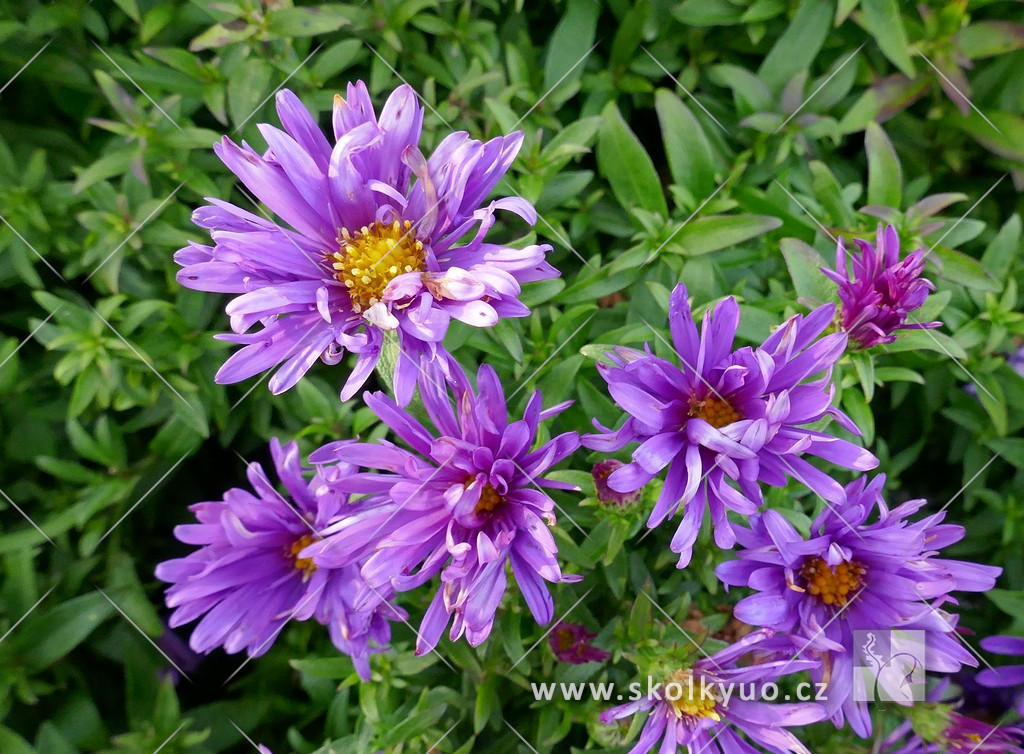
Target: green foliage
(725, 143)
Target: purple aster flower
(250, 575)
(601, 471)
(937, 728)
(855, 575)
(881, 291)
(1009, 676)
(369, 251)
(462, 502)
(570, 643)
(726, 418)
(714, 707)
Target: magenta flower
(691, 709)
(570, 642)
(854, 575)
(369, 251)
(249, 577)
(463, 502)
(881, 291)
(724, 420)
(601, 471)
(1009, 676)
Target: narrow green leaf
(689, 154)
(799, 45)
(959, 268)
(885, 176)
(45, 638)
(572, 38)
(627, 166)
(306, 21)
(882, 19)
(804, 264)
(715, 232)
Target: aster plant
(691, 710)
(723, 420)
(463, 500)
(878, 290)
(865, 566)
(378, 240)
(248, 576)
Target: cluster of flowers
(384, 248)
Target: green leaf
(983, 39)
(708, 13)
(715, 232)
(412, 726)
(686, 146)
(570, 42)
(864, 365)
(45, 638)
(222, 35)
(858, 410)
(1002, 250)
(627, 166)
(804, 264)
(885, 176)
(115, 163)
(1007, 141)
(307, 21)
(1011, 603)
(926, 340)
(882, 19)
(959, 268)
(799, 45)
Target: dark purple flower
(690, 709)
(369, 251)
(463, 502)
(570, 643)
(1009, 676)
(601, 471)
(183, 659)
(249, 576)
(881, 291)
(726, 418)
(853, 575)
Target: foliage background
(111, 424)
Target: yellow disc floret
(490, 500)
(691, 698)
(833, 586)
(306, 565)
(715, 411)
(374, 256)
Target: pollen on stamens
(834, 586)
(690, 698)
(358, 262)
(714, 410)
(306, 565)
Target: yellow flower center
(489, 501)
(374, 256)
(691, 698)
(306, 565)
(833, 586)
(715, 411)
